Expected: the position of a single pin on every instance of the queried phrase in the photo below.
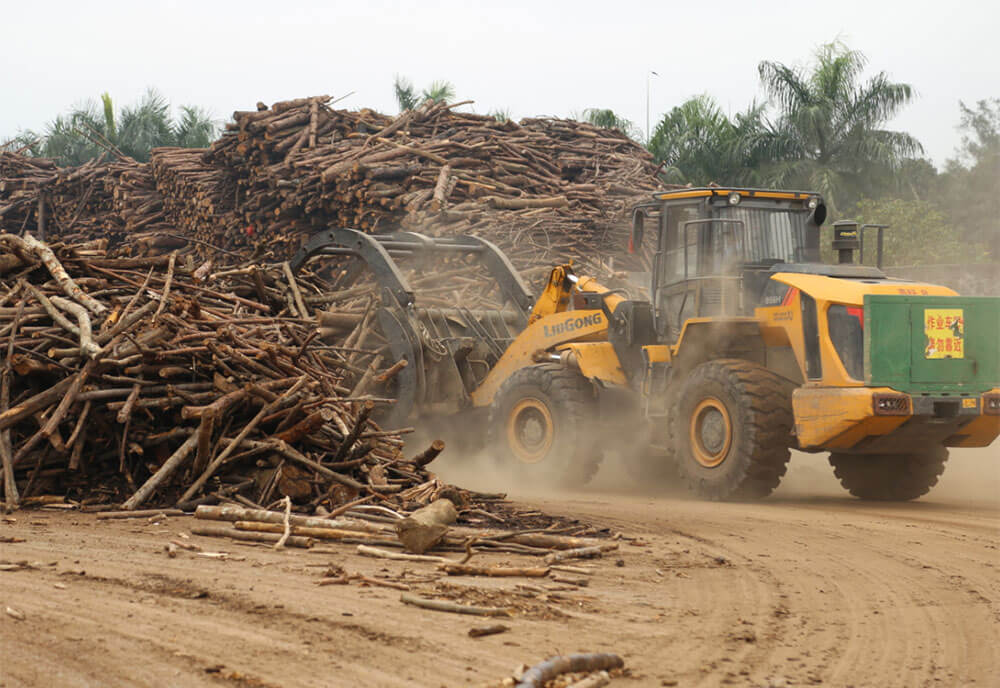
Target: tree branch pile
(140, 381)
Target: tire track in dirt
(784, 592)
(904, 595)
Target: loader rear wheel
(543, 425)
(732, 428)
(890, 477)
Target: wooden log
(32, 246)
(144, 513)
(445, 606)
(426, 526)
(391, 371)
(426, 456)
(162, 473)
(270, 538)
(500, 203)
(456, 569)
(237, 513)
(579, 553)
(559, 541)
(483, 631)
(367, 551)
(441, 189)
(35, 403)
(313, 532)
(540, 674)
(88, 349)
(11, 496)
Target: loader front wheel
(732, 428)
(890, 477)
(542, 426)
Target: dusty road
(808, 588)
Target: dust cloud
(971, 478)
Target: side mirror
(638, 227)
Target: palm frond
(195, 129)
(439, 91)
(406, 96)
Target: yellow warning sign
(945, 330)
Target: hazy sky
(531, 58)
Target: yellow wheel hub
(710, 432)
(530, 430)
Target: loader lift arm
(379, 250)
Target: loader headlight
(734, 198)
(812, 203)
(991, 404)
(891, 404)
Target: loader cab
(715, 248)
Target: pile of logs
(552, 189)
(21, 179)
(434, 170)
(144, 381)
(198, 198)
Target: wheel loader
(745, 347)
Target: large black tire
(543, 426)
(732, 429)
(890, 477)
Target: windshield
(771, 234)
(741, 235)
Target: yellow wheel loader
(748, 346)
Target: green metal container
(932, 344)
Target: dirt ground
(810, 587)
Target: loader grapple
(449, 349)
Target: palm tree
(195, 128)
(608, 119)
(439, 91)
(697, 143)
(828, 133)
(89, 131)
(406, 95)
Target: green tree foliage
(439, 91)
(608, 119)
(698, 144)
(971, 181)
(93, 130)
(500, 114)
(828, 133)
(407, 98)
(195, 128)
(918, 234)
(406, 95)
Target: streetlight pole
(650, 72)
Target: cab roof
(713, 191)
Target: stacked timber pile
(546, 189)
(21, 177)
(140, 208)
(199, 199)
(139, 380)
(554, 185)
